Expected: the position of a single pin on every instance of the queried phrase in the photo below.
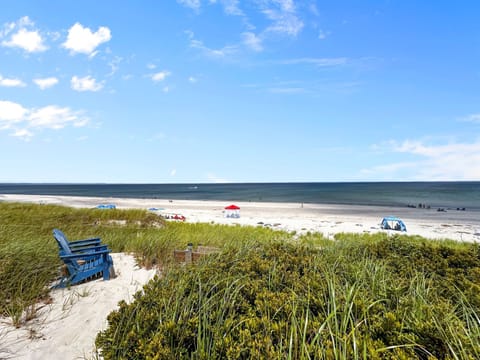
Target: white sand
(66, 329)
(326, 219)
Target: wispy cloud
(226, 51)
(432, 162)
(114, 65)
(282, 19)
(86, 83)
(23, 134)
(474, 118)
(231, 7)
(82, 40)
(307, 87)
(286, 90)
(160, 76)
(55, 117)
(252, 41)
(158, 137)
(282, 14)
(21, 34)
(322, 35)
(320, 62)
(10, 82)
(23, 121)
(45, 83)
(216, 179)
(192, 4)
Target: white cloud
(252, 41)
(192, 4)
(23, 134)
(11, 82)
(173, 172)
(22, 121)
(231, 7)
(475, 118)
(192, 79)
(86, 83)
(452, 161)
(7, 29)
(82, 40)
(215, 53)
(114, 65)
(45, 83)
(55, 117)
(160, 76)
(29, 40)
(11, 112)
(284, 18)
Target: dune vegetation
(265, 295)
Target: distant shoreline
(328, 219)
(436, 195)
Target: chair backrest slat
(62, 241)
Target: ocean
(447, 195)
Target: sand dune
(66, 328)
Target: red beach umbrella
(232, 207)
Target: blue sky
(239, 91)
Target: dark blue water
(434, 194)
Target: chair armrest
(88, 249)
(85, 241)
(84, 255)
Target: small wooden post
(188, 253)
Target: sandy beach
(324, 218)
(66, 328)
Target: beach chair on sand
(83, 260)
(75, 246)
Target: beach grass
(266, 294)
(280, 299)
(29, 260)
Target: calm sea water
(434, 194)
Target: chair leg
(111, 270)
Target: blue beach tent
(393, 223)
(106, 206)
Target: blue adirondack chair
(83, 259)
(77, 245)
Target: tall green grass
(29, 259)
(281, 299)
(265, 295)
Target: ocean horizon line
(243, 182)
(396, 194)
